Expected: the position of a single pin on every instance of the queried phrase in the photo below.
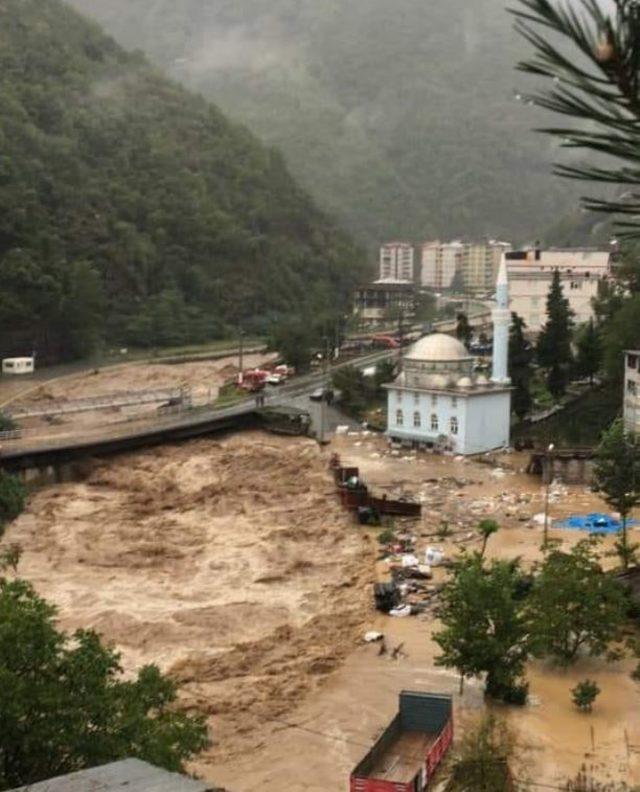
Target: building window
(434, 401)
(434, 423)
(454, 402)
(399, 418)
(454, 425)
(633, 361)
(632, 388)
(416, 397)
(417, 421)
(400, 396)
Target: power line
(411, 758)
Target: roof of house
(127, 775)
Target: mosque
(438, 401)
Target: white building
(440, 262)
(582, 271)
(18, 365)
(632, 391)
(397, 262)
(481, 263)
(438, 400)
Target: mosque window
(399, 418)
(454, 425)
(416, 397)
(454, 402)
(434, 401)
(434, 423)
(417, 421)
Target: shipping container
(407, 754)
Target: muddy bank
(229, 564)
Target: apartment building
(397, 262)
(582, 272)
(481, 264)
(440, 262)
(632, 391)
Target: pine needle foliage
(596, 82)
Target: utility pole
(548, 476)
(241, 352)
(323, 401)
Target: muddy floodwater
(231, 564)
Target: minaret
(501, 324)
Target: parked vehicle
(407, 753)
(385, 342)
(323, 394)
(252, 381)
(275, 379)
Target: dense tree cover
(64, 705)
(484, 628)
(13, 496)
(133, 211)
(464, 331)
(589, 351)
(554, 342)
(574, 606)
(402, 118)
(520, 360)
(617, 474)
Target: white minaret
(501, 324)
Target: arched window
(417, 421)
(434, 423)
(399, 418)
(454, 425)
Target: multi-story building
(377, 302)
(481, 264)
(632, 391)
(397, 262)
(582, 273)
(440, 262)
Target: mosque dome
(465, 382)
(438, 348)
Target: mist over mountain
(400, 117)
(133, 211)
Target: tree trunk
(461, 684)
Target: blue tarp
(594, 523)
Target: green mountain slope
(401, 117)
(133, 210)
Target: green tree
(589, 357)
(356, 389)
(483, 627)
(486, 529)
(595, 82)
(621, 332)
(464, 331)
(13, 496)
(7, 424)
(617, 474)
(294, 340)
(64, 705)
(554, 342)
(584, 694)
(520, 360)
(481, 760)
(574, 606)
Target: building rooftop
(438, 347)
(127, 775)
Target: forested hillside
(401, 117)
(133, 211)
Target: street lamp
(548, 472)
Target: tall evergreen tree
(520, 359)
(589, 358)
(464, 331)
(554, 343)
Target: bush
(584, 694)
(386, 537)
(7, 424)
(12, 498)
